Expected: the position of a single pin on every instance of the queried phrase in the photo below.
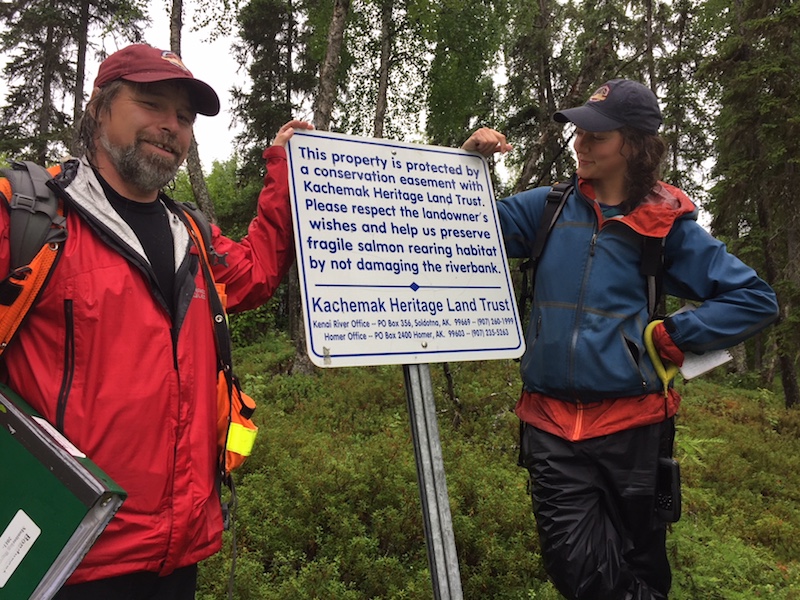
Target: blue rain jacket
(585, 335)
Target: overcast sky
(209, 61)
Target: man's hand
(487, 141)
(287, 131)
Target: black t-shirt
(150, 223)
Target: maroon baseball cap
(141, 63)
(615, 104)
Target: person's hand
(487, 141)
(287, 131)
(666, 348)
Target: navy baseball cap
(141, 63)
(615, 104)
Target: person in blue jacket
(595, 417)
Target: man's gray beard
(145, 172)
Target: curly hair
(645, 155)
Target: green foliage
(329, 504)
(235, 201)
(273, 48)
(757, 133)
(460, 86)
(40, 40)
(407, 64)
(235, 197)
(265, 321)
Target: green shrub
(329, 504)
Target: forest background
(431, 71)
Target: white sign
(399, 252)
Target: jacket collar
(86, 192)
(655, 216)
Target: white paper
(59, 438)
(15, 542)
(697, 364)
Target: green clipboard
(54, 503)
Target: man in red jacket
(119, 352)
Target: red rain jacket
(132, 386)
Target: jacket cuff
(274, 152)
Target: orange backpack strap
(36, 233)
(20, 289)
(236, 432)
(199, 239)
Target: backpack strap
(237, 439)
(35, 219)
(652, 267)
(200, 233)
(556, 198)
(203, 227)
(36, 232)
(216, 300)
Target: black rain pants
(594, 503)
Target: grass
(329, 505)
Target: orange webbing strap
(30, 280)
(5, 188)
(197, 238)
(236, 432)
(21, 286)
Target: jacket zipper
(578, 311)
(577, 430)
(69, 364)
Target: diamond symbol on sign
(414, 286)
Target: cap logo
(601, 94)
(174, 59)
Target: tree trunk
(784, 336)
(302, 363)
(290, 27)
(650, 62)
(176, 26)
(193, 164)
(43, 126)
(383, 71)
(198, 182)
(771, 366)
(323, 107)
(326, 96)
(80, 74)
(791, 391)
(739, 359)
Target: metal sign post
(442, 557)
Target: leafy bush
(329, 505)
